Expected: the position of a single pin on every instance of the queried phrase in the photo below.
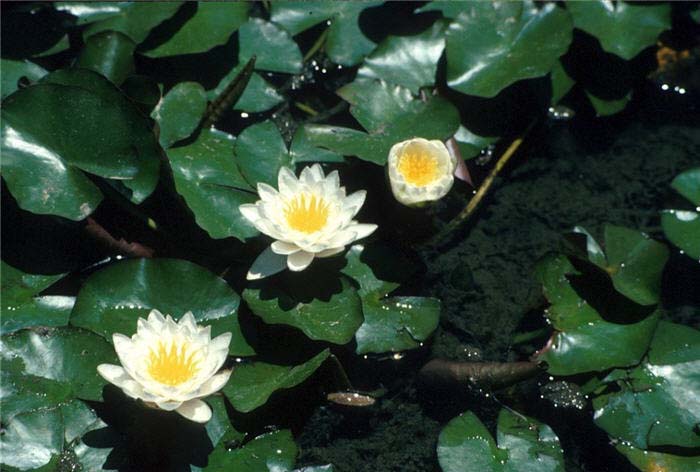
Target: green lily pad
(622, 28)
(22, 307)
(251, 385)
(658, 461)
(323, 308)
(38, 438)
(259, 95)
(274, 48)
(655, 403)
(581, 330)
(112, 299)
(143, 91)
(13, 71)
(390, 114)
(390, 324)
(524, 444)
(134, 19)
(493, 45)
(682, 227)
(207, 177)
(409, 61)
(561, 83)
(303, 150)
(470, 144)
(142, 145)
(179, 112)
(269, 452)
(67, 355)
(260, 152)
(345, 44)
(22, 393)
(212, 25)
(604, 107)
(109, 53)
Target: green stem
(317, 45)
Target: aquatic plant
(241, 194)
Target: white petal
(330, 252)
(250, 212)
(221, 343)
(124, 347)
(331, 183)
(188, 321)
(215, 383)
(342, 238)
(195, 410)
(114, 374)
(362, 230)
(299, 260)
(355, 200)
(283, 248)
(287, 181)
(268, 263)
(267, 192)
(168, 405)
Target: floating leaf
(659, 461)
(251, 385)
(561, 83)
(604, 107)
(143, 91)
(655, 404)
(302, 149)
(112, 299)
(493, 45)
(682, 227)
(524, 444)
(100, 133)
(134, 19)
(259, 95)
(179, 112)
(471, 144)
(260, 152)
(212, 25)
(109, 53)
(345, 44)
(22, 308)
(622, 28)
(67, 355)
(390, 324)
(581, 330)
(390, 114)
(269, 452)
(22, 393)
(13, 71)
(273, 47)
(206, 176)
(324, 308)
(409, 61)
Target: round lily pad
(179, 112)
(270, 451)
(682, 226)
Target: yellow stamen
(307, 215)
(172, 366)
(418, 167)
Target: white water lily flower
(171, 365)
(420, 170)
(310, 216)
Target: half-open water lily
(170, 365)
(420, 170)
(310, 216)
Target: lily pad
(66, 355)
(179, 112)
(260, 152)
(22, 307)
(682, 227)
(212, 25)
(390, 114)
(471, 144)
(561, 82)
(112, 299)
(655, 404)
(109, 53)
(273, 47)
(323, 308)
(493, 45)
(143, 144)
(581, 330)
(604, 107)
(208, 179)
(269, 452)
(134, 19)
(659, 461)
(13, 71)
(390, 324)
(623, 28)
(259, 95)
(251, 385)
(409, 61)
(22, 393)
(345, 44)
(524, 444)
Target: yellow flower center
(174, 365)
(307, 214)
(418, 167)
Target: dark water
(585, 173)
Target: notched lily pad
(179, 112)
(271, 452)
(682, 226)
(14, 71)
(273, 47)
(112, 299)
